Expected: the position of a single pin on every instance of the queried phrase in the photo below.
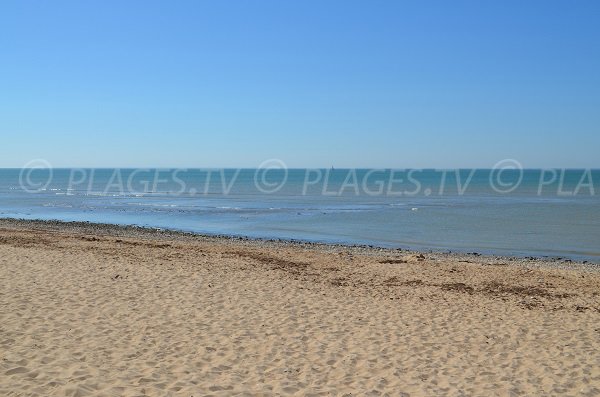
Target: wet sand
(122, 311)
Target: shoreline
(159, 232)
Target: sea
(502, 211)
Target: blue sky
(314, 83)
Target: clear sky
(313, 83)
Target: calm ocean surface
(530, 212)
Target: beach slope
(101, 310)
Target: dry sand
(108, 311)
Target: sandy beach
(122, 311)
